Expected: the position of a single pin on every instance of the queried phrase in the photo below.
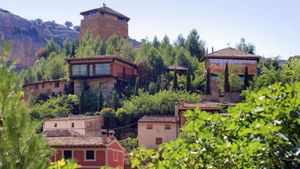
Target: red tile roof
(158, 119)
(203, 105)
(62, 133)
(231, 53)
(77, 141)
(107, 10)
(100, 58)
(73, 117)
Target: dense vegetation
(261, 132)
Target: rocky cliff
(28, 36)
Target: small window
(149, 126)
(115, 155)
(72, 125)
(43, 85)
(55, 124)
(102, 13)
(57, 84)
(168, 126)
(68, 154)
(158, 140)
(90, 155)
(36, 86)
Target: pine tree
(100, 100)
(207, 91)
(73, 52)
(226, 79)
(115, 99)
(188, 81)
(157, 85)
(136, 87)
(175, 81)
(20, 146)
(82, 102)
(246, 78)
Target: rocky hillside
(28, 36)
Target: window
(68, 154)
(43, 85)
(79, 70)
(115, 156)
(55, 124)
(149, 126)
(102, 69)
(158, 140)
(91, 70)
(168, 127)
(89, 155)
(36, 86)
(56, 84)
(102, 13)
(72, 125)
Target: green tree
(152, 88)
(155, 42)
(67, 47)
(90, 46)
(114, 43)
(62, 164)
(243, 46)
(20, 146)
(175, 80)
(68, 24)
(128, 52)
(195, 45)
(137, 86)
(180, 42)
(188, 81)
(100, 100)
(226, 79)
(246, 78)
(208, 90)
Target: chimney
(104, 5)
(107, 134)
(117, 53)
(104, 135)
(212, 49)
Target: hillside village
(103, 102)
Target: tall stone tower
(104, 22)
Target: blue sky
(272, 25)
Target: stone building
(155, 130)
(215, 62)
(107, 72)
(83, 125)
(80, 138)
(104, 22)
(44, 89)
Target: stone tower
(104, 22)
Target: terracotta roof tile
(76, 141)
(203, 105)
(158, 119)
(62, 133)
(108, 11)
(230, 53)
(73, 117)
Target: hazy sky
(272, 25)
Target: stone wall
(104, 26)
(147, 137)
(107, 85)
